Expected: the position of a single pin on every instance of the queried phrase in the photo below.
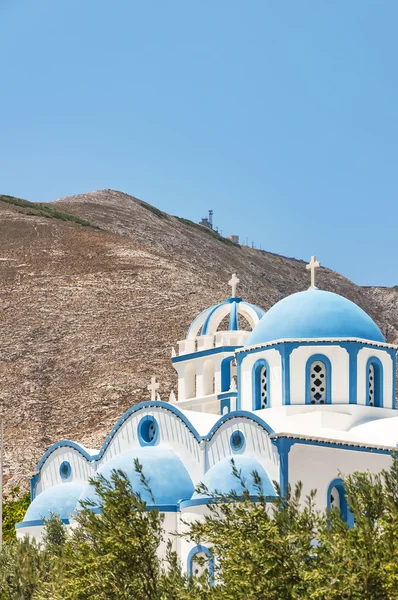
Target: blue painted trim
(203, 353)
(225, 403)
(256, 384)
(285, 359)
(394, 380)
(209, 315)
(233, 318)
(345, 512)
(34, 480)
(143, 430)
(226, 395)
(36, 523)
(237, 441)
(198, 317)
(328, 384)
(119, 423)
(204, 500)
(378, 383)
(326, 444)
(65, 470)
(195, 550)
(144, 405)
(353, 350)
(226, 373)
(283, 446)
(237, 414)
(173, 508)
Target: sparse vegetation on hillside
(43, 210)
(154, 210)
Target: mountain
(95, 289)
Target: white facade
(304, 392)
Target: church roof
(168, 479)
(315, 314)
(221, 478)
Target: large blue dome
(314, 314)
(167, 476)
(221, 478)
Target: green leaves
(280, 551)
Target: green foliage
(207, 230)
(154, 210)
(14, 509)
(44, 210)
(284, 550)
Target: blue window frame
(318, 380)
(237, 441)
(261, 388)
(148, 431)
(209, 558)
(374, 382)
(65, 470)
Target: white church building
(304, 392)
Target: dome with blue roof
(60, 500)
(168, 479)
(315, 314)
(221, 478)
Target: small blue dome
(61, 500)
(314, 314)
(221, 478)
(208, 321)
(168, 479)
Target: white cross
(313, 265)
(153, 387)
(233, 283)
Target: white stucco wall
(340, 362)
(173, 433)
(316, 466)
(257, 444)
(82, 469)
(274, 360)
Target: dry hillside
(94, 291)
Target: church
(303, 392)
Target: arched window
(374, 382)
(318, 380)
(336, 498)
(261, 385)
(200, 559)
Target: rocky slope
(92, 301)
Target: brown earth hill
(95, 289)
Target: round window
(148, 431)
(237, 440)
(65, 470)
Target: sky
(281, 116)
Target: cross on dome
(234, 284)
(312, 266)
(153, 387)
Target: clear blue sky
(281, 116)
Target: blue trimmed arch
(345, 512)
(256, 383)
(378, 382)
(328, 366)
(210, 558)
